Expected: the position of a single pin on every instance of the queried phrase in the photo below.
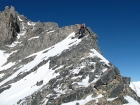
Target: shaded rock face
(81, 70)
(9, 26)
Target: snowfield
(136, 87)
(131, 101)
(26, 86)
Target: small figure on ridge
(82, 31)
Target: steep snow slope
(136, 87)
(131, 101)
(40, 56)
(26, 86)
(3, 57)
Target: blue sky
(116, 22)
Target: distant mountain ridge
(43, 64)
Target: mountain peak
(11, 8)
(9, 26)
(43, 64)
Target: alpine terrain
(43, 64)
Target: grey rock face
(9, 26)
(82, 73)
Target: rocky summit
(43, 64)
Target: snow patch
(33, 38)
(95, 53)
(131, 101)
(59, 67)
(20, 19)
(1, 75)
(26, 86)
(3, 57)
(111, 99)
(13, 44)
(76, 71)
(31, 23)
(23, 32)
(40, 56)
(7, 66)
(50, 31)
(76, 77)
(136, 87)
(13, 52)
(84, 82)
(83, 102)
(104, 69)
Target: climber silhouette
(82, 31)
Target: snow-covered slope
(136, 87)
(131, 101)
(26, 86)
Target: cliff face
(43, 64)
(9, 26)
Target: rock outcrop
(9, 25)
(48, 65)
